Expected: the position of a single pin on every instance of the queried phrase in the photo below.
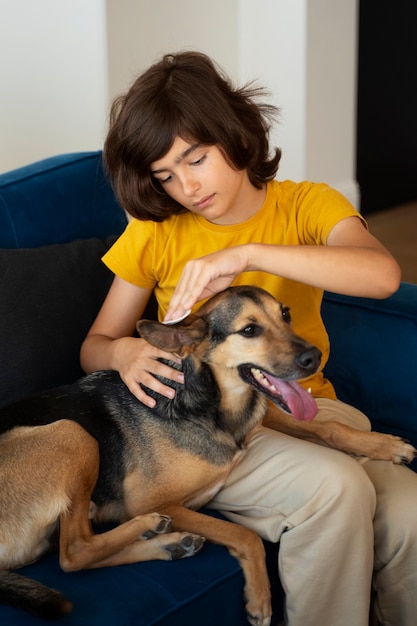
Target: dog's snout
(309, 359)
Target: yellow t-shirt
(153, 254)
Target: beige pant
(326, 510)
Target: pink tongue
(301, 403)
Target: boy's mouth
(201, 204)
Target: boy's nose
(190, 185)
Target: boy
(189, 158)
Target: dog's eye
(252, 330)
(286, 315)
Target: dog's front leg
(333, 434)
(244, 545)
(142, 538)
(129, 542)
(370, 444)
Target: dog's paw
(403, 452)
(258, 605)
(257, 594)
(187, 545)
(162, 526)
(396, 449)
(259, 620)
(386, 447)
(261, 617)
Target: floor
(396, 228)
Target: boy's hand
(204, 277)
(140, 364)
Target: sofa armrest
(372, 362)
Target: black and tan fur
(91, 451)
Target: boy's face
(200, 178)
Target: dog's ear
(181, 339)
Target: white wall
(274, 51)
(53, 78)
(331, 78)
(305, 51)
(140, 31)
(76, 55)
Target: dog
(92, 452)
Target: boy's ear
(180, 339)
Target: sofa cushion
(57, 200)
(151, 593)
(49, 299)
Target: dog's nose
(309, 359)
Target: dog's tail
(32, 596)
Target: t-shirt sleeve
(131, 257)
(320, 208)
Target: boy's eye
(167, 179)
(199, 161)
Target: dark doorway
(387, 104)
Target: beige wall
(140, 31)
(304, 51)
(331, 77)
(76, 56)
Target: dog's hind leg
(35, 474)
(36, 466)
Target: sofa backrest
(57, 200)
(373, 358)
(57, 218)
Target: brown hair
(184, 95)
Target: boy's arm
(353, 263)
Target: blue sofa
(57, 217)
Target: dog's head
(245, 335)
